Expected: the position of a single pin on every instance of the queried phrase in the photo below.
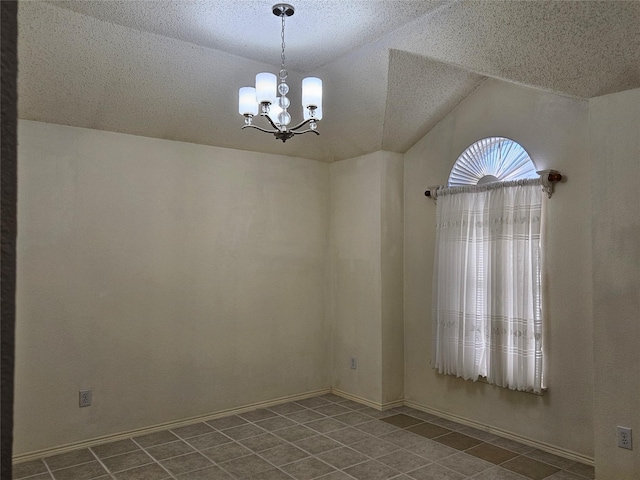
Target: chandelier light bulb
(266, 87)
(247, 104)
(311, 92)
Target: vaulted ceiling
(391, 69)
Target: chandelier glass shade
(269, 99)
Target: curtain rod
(547, 178)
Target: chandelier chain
(283, 72)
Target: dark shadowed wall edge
(8, 190)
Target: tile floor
(325, 437)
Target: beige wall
(173, 279)
(553, 130)
(392, 268)
(614, 144)
(366, 276)
(178, 280)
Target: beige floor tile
(226, 422)
(491, 453)
(226, 452)
(127, 461)
(401, 420)
(114, 448)
(208, 440)
(148, 472)
(69, 459)
(262, 442)
(186, 463)
(313, 402)
(428, 430)
(375, 447)
(168, 450)
(403, 461)
(298, 432)
(582, 469)
(342, 457)
(246, 466)
(317, 444)
(352, 418)
(348, 435)
(209, 473)
(276, 423)
(458, 441)
(285, 408)
(283, 455)
(28, 469)
(435, 472)
(550, 458)
(432, 450)
(332, 410)
(372, 470)
(465, 464)
(156, 438)
(86, 471)
(325, 425)
(307, 469)
(530, 468)
(194, 430)
(257, 415)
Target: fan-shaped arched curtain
(492, 159)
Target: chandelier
(269, 97)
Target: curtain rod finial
(432, 192)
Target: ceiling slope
(391, 69)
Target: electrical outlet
(354, 363)
(624, 438)
(85, 398)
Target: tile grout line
(109, 472)
(153, 458)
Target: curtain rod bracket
(548, 178)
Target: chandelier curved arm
(277, 129)
(305, 131)
(259, 128)
(302, 124)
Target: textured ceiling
(391, 69)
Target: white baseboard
(561, 452)
(368, 403)
(24, 457)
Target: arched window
(492, 159)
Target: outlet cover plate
(624, 438)
(85, 398)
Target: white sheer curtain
(487, 283)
